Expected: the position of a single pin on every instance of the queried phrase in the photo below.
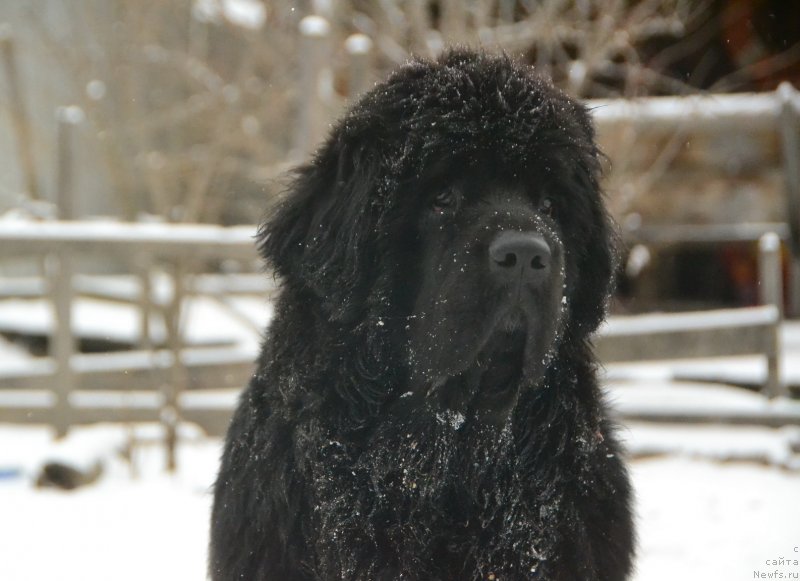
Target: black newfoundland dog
(425, 406)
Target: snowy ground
(149, 526)
(700, 517)
(713, 503)
(700, 520)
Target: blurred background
(141, 141)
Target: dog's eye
(547, 207)
(443, 200)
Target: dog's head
(456, 207)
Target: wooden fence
(168, 369)
(174, 371)
(766, 123)
(713, 333)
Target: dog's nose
(519, 257)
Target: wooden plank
(686, 344)
(655, 323)
(662, 336)
(213, 422)
(193, 241)
(62, 346)
(137, 370)
(775, 417)
(127, 288)
(698, 113)
(44, 415)
(706, 233)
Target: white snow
(122, 528)
(358, 44)
(713, 502)
(690, 321)
(698, 519)
(204, 320)
(697, 397)
(250, 14)
(314, 26)
(768, 446)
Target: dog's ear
(597, 259)
(321, 236)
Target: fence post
(67, 119)
(19, 118)
(788, 127)
(359, 47)
(62, 345)
(454, 20)
(170, 411)
(142, 266)
(315, 84)
(771, 293)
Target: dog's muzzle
(521, 259)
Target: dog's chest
(440, 496)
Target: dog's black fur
(425, 405)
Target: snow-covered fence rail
(165, 372)
(715, 333)
(706, 169)
(697, 113)
(130, 383)
(773, 117)
(127, 241)
(166, 382)
(174, 372)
